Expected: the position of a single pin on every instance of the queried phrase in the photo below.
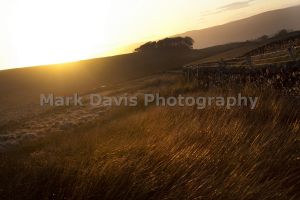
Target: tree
(263, 38)
(168, 44)
(146, 47)
(282, 32)
(189, 41)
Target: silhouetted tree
(146, 47)
(167, 44)
(189, 41)
(282, 32)
(263, 38)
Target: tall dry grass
(166, 152)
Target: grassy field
(166, 152)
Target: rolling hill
(253, 27)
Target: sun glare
(37, 32)
(58, 31)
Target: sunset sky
(35, 32)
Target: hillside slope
(253, 27)
(22, 86)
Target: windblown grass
(166, 153)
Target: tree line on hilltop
(167, 44)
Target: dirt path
(37, 122)
(30, 122)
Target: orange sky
(35, 32)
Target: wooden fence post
(198, 76)
(249, 61)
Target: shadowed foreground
(166, 152)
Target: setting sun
(37, 32)
(57, 31)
